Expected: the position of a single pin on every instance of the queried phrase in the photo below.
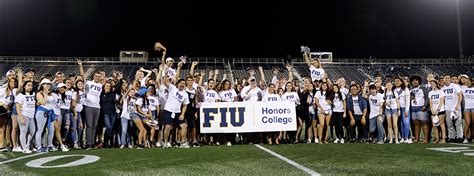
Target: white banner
(239, 117)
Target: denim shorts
(390, 112)
(471, 110)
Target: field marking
(299, 166)
(20, 158)
(471, 145)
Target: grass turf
(329, 159)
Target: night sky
(228, 28)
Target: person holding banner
(292, 96)
(271, 96)
(210, 96)
(228, 94)
(251, 93)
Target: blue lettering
(207, 116)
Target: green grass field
(328, 159)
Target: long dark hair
(292, 87)
(402, 86)
(23, 91)
(338, 93)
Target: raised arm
(193, 66)
(148, 72)
(364, 90)
(307, 59)
(290, 73)
(262, 74)
(81, 69)
(216, 73)
(178, 71)
(203, 74)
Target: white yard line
(299, 166)
(20, 158)
(471, 145)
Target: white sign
(238, 117)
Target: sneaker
(380, 142)
(196, 144)
(465, 141)
(229, 144)
(185, 145)
(130, 146)
(396, 141)
(27, 151)
(402, 141)
(217, 143)
(52, 149)
(391, 141)
(316, 141)
(140, 146)
(17, 150)
(76, 146)
(158, 144)
(309, 141)
(336, 141)
(122, 146)
(33, 150)
(342, 140)
(64, 148)
(43, 150)
(409, 141)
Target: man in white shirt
(453, 98)
(93, 89)
(175, 109)
(376, 118)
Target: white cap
(169, 59)
(45, 81)
(252, 78)
(61, 85)
(436, 120)
(464, 75)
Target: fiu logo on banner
(210, 114)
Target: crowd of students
(160, 108)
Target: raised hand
(79, 61)
(194, 63)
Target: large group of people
(160, 108)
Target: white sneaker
(130, 146)
(217, 143)
(309, 141)
(229, 144)
(402, 141)
(380, 142)
(391, 141)
(27, 151)
(167, 145)
(64, 148)
(336, 141)
(33, 150)
(342, 141)
(122, 146)
(184, 145)
(396, 141)
(158, 144)
(17, 150)
(409, 141)
(76, 146)
(465, 141)
(54, 149)
(316, 141)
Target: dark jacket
(107, 103)
(350, 105)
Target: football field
(297, 159)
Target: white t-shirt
(163, 94)
(322, 100)
(125, 110)
(228, 95)
(131, 109)
(316, 73)
(67, 100)
(375, 102)
(50, 102)
(419, 99)
(28, 104)
(357, 109)
(291, 97)
(144, 106)
(435, 97)
(468, 94)
(339, 103)
(58, 104)
(451, 96)
(93, 91)
(252, 95)
(271, 97)
(82, 100)
(153, 102)
(4, 99)
(176, 98)
(403, 97)
(345, 91)
(143, 82)
(391, 100)
(211, 96)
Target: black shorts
(168, 120)
(189, 117)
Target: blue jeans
(405, 124)
(124, 137)
(76, 130)
(67, 120)
(109, 124)
(377, 122)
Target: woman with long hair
(392, 110)
(338, 112)
(324, 102)
(436, 96)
